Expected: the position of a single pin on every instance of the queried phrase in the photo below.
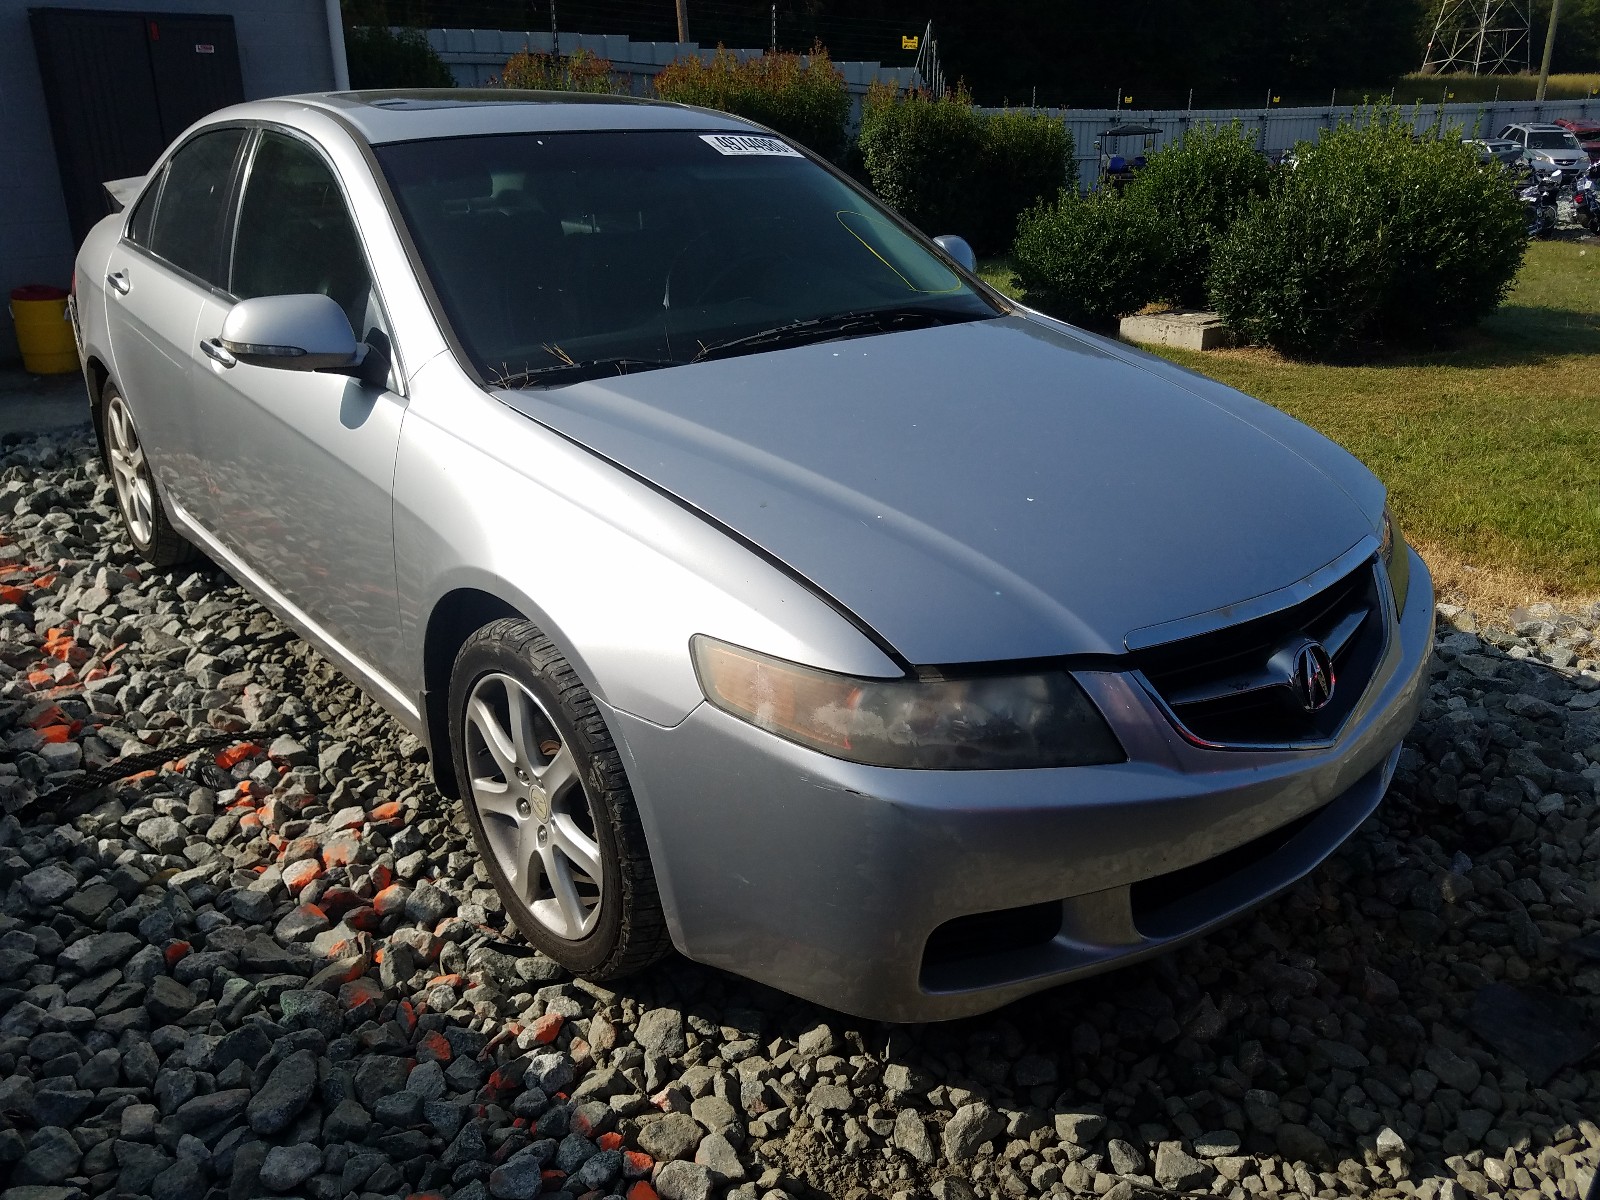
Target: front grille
(1233, 687)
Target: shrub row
(579, 71)
(803, 98)
(1378, 235)
(379, 57)
(949, 168)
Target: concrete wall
(1279, 129)
(283, 47)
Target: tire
(138, 499)
(570, 865)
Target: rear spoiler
(120, 192)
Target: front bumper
(828, 879)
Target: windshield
(553, 252)
(1552, 141)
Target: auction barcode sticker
(743, 143)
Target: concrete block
(1183, 330)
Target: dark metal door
(120, 87)
(195, 61)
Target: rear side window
(193, 209)
(144, 213)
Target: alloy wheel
(536, 815)
(129, 472)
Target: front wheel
(549, 806)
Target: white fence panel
(1278, 129)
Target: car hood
(1002, 489)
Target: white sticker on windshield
(743, 143)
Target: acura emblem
(1312, 681)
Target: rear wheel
(549, 805)
(143, 514)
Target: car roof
(1538, 127)
(415, 115)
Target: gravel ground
(278, 969)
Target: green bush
(579, 71)
(1026, 161)
(1378, 236)
(1200, 184)
(378, 57)
(923, 157)
(802, 98)
(1089, 260)
(948, 168)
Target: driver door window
(295, 234)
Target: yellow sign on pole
(911, 42)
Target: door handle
(216, 353)
(118, 282)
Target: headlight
(1396, 561)
(984, 723)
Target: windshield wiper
(823, 329)
(573, 372)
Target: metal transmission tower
(927, 64)
(1480, 37)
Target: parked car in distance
(1548, 148)
(761, 582)
(1588, 134)
(1501, 150)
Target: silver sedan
(762, 583)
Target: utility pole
(683, 20)
(1549, 48)
(555, 34)
(774, 43)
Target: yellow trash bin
(44, 334)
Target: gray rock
(683, 1181)
(168, 1001)
(673, 1136)
(1126, 1158)
(1179, 1170)
(1079, 1128)
(1460, 1073)
(183, 1180)
(911, 1136)
(714, 1112)
(211, 1113)
(93, 954)
(1034, 1070)
(163, 834)
(970, 1127)
(348, 1122)
(830, 1097)
(718, 1156)
(600, 1171)
(520, 1178)
(52, 1158)
(660, 1031)
(287, 1090)
(1298, 1144)
(48, 885)
(1217, 1144)
(287, 1167)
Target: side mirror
(957, 248)
(293, 333)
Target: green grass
(1490, 449)
(1469, 89)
